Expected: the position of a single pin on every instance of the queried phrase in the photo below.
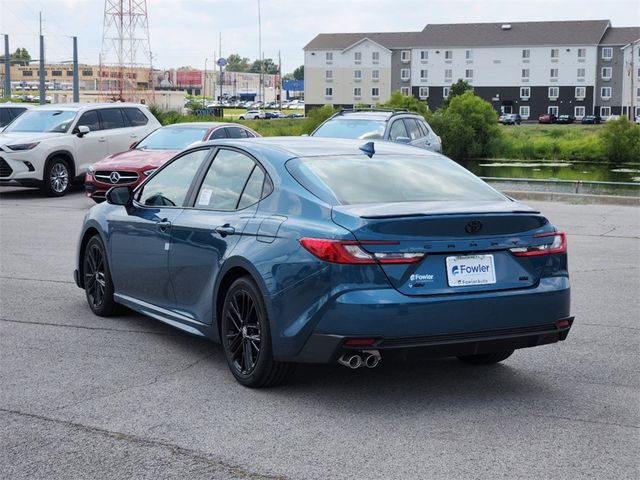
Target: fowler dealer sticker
(470, 270)
(205, 196)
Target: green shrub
(621, 140)
(408, 102)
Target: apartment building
(522, 67)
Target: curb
(575, 198)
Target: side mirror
(81, 131)
(403, 140)
(120, 196)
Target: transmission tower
(126, 51)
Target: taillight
(558, 245)
(351, 252)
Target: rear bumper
(325, 348)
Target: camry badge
(473, 226)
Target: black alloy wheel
(246, 338)
(97, 279)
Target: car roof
(373, 114)
(203, 124)
(86, 106)
(290, 147)
(15, 105)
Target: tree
(621, 140)
(298, 73)
(264, 66)
(236, 63)
(408, 102)
(20, 57)
(457, 89)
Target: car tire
(256, 117)
(98, 285)
(246, 338)
(486, 358)
(57, 177)
(241, 118)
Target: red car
(134, 165)
(547, 118)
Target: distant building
(569, 67)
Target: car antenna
(368, 149)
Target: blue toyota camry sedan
(289, 250)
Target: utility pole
(260, 55)
(42, 91)
(7, 68)
(204, 83)
(76, 81)
(279, 81)
(220, 63)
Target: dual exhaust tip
(365, 358)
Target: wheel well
(88, 235)
(68, 158)
(231, 276)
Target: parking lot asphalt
(127, 397)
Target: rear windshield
(351, 128)
(389, 178)
(172, 138)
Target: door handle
(102, 139)
(133, 135)
(164, 225)
(225, 230)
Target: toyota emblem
(114, 177)
(473, 226)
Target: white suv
(50, 146)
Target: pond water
(586, 171)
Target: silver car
(399, 126)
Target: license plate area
(470, 270)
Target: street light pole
(204, 83)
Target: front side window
(412, 128)
(89, 119)
(111, 118)
(226, 181)
(398, 129)
(172, 138)
(169, 187)
(55, 121)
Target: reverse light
(558, 245)
(149, 172)
(351, 252)
(23, 146)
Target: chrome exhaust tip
(372, 358)
(351, 360)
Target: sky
(186, 32)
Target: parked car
(592, 119)
(273, 115)
(50, 146)
(565, 119)
(320, 250)
(638, 119)
(511, 119)
(295, 115)
(547, 118)
(611, 118)
(399, 126)
(9, 111)
(134, 165)
(253, 114)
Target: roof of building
(502, 34)
(621, 35)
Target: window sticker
(205, 196)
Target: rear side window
(389, 178)
(423, 128)
(398, 130)
(112, 118)
(230, 175)
(136, 117)
(89, 119)
(412, 128)
(5, 117)
(236, 132)
(217, 134)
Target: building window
(553, 73)
(555, 53)
(328, 56)
(554, 92)
(27, 73)
(605, 111)
(357, 92)
(607, 53)
(56, 73)
(357, 75)
(524, 111)
(525, 73)
(605, 93)
(69, 73)
(638, 92)
(328, 92)
(357, 57)
(424, 55)
(553, 110)
(448, 75)
(404, 91)
(405, 56)
(578, 112)
(468, 74)
(581, 73)
(581, 92)
(405, 74)
(375, 75)
(445, 91)
(469, 54)
(582, 53)
(525, 92)
(606, 73)
(526, 53)
(448, 54)
(375, 92)
(375, 56)
(87, 73)
(424, 74)
(328, 75)
(423, 92)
